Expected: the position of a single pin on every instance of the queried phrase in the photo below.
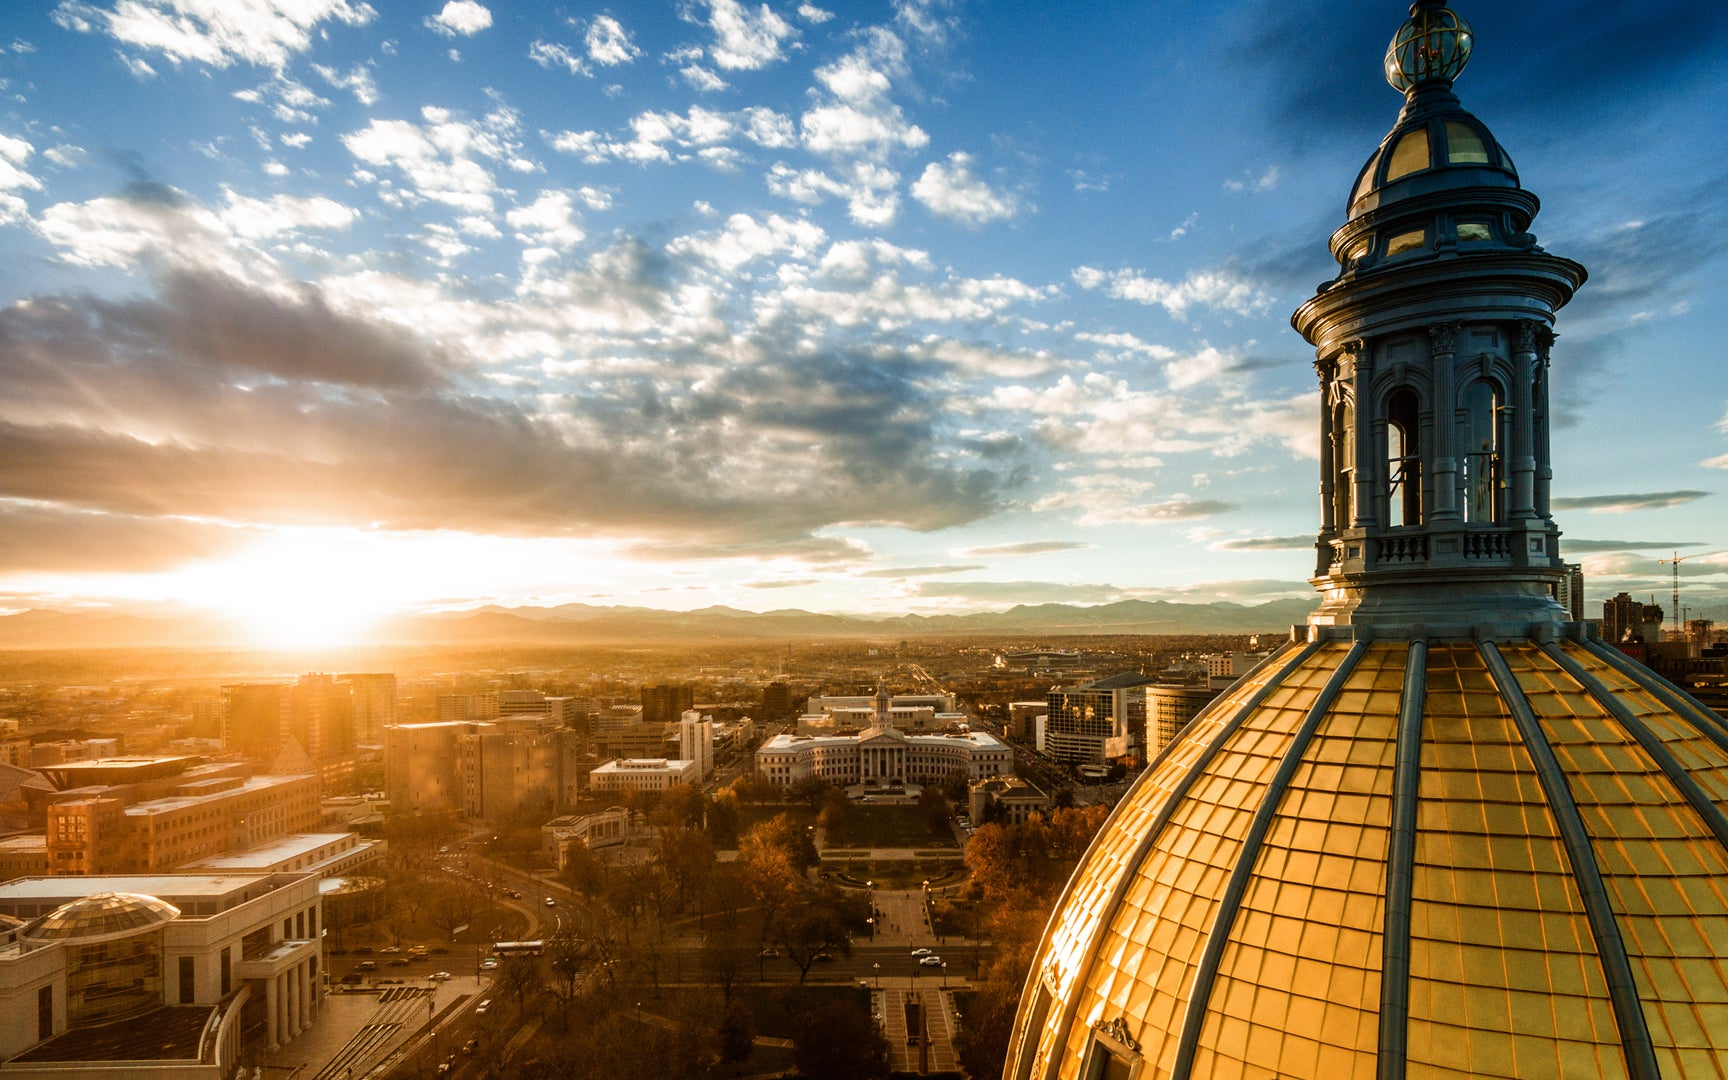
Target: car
(769, 953)
(482, 1008)
(440, 950)
(366, 965)
(390, 949)
(920, 952)
(930, 961)
(551, 902)
(470, 1046)
(489, 964)
(823, 958)
(398, 961)
(439, 976)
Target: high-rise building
(1099, 721)
(664, 703)
(1446, 830)
(1569, 593)
(254, 717)
(1626, 619)
(374, 705)
(321, 719)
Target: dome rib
(1400, 867)
(1713, 817)
(1677, 700)
(1635, 1042)
(1030, 1037)
(1230, 904)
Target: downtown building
(156, 977)
(1446, 830)
(882, 755)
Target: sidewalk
(356, 1030)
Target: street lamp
(872, 924)
(877, 968)
(944, 973)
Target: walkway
(358, 1030)
(933, 1049)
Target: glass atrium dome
(102, 915)
(1445, 831)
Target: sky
(322, 308)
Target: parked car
(930, 961)
(482, 1008)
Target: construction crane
(1678, 558)
(1676, 561)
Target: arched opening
(1403, 460)
(1482, 475)
(1344, 460)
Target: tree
(836, 809)
(453, 906)
(685, 806)
(810, 791)
(755, 788)
(737, 1035)
(686, 859)
(584, 871)
(838, 1041)
(723, 819)
(810, 929)
(933, 807)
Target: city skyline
(926, 307)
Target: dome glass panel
(1463, 145)
(1410, 155)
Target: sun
(297, 589)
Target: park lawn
(888, 827)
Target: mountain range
(581, 623)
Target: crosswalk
(398, 1007)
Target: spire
(1433, 45)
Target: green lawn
(888, 827)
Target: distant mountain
(579, 623)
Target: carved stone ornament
(1444, 336)
(1524, 337)
(1117, 1030)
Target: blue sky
(917, 306)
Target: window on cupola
(1482, 453)
(1403, 460)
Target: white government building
(882, 754)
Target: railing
(1487, 545)
(1394, 550)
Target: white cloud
(463, 17)
(951, 191)
(357, 80)
(1266, 181)
(745, 239)
(609, 43)
(441, 158)
(289, 100)
(746, 40)
(667, 137)
(258, 218)
(14, 154)
(549, 54)
(136, 66)
(870, 190)
(1219, 289)
(549, 222)
(701, 79)
(298, 139)
(810, 13)
(262, 32)
(860, 120)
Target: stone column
(1328, 372)
(304, 973)
(272, 1017)
(1522, 454)
(1443, 345)
(1362, 462)
(1539, 422)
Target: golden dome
(1456, 859)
